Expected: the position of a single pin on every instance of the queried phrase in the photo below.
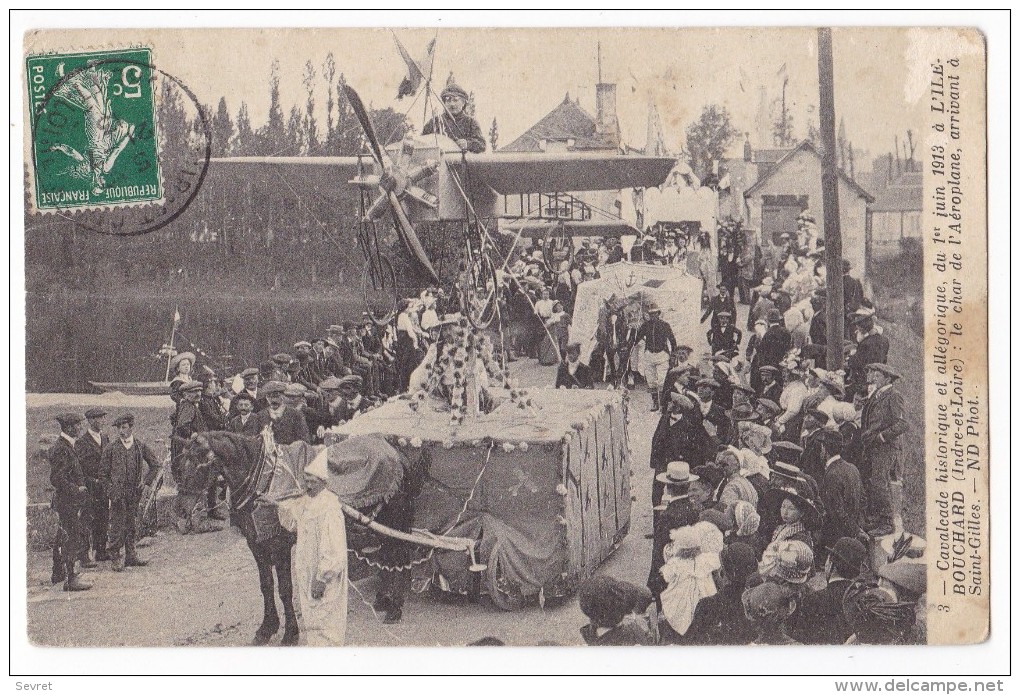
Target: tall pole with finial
(598, 57)
(830, 204)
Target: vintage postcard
(504, 336)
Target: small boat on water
(133, 388)
(148, 388)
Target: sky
(519, 75)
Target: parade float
(538, 478)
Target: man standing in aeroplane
(455, 121)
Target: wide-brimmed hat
(93, 413)
(810, 516)
(885, 369)
(832, 382)
(180, 357)
(820, 416)
(676, 473)
(794, 562)
(710, 473)
(787, 452)
(742, 412)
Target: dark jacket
(842, 494)
(684, 440)
(460, 127)
(728, 338)
(212, 412)
(66, 475)
(819, 618)
(89, 454)
(128, 469)
(773, 346)
(883, 420)
(853, 294)
(657, 334)
(289, 428)
(248, 427)
(720, 619)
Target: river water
(72, 339)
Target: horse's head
(199, 466)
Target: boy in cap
(96, 512)
(129, 464)
(69, 494)
(455, 122)
(319, 568)
(883, 422)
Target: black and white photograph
(525, 337)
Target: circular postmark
(118, 170)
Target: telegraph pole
(830, 205)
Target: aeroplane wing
(553, 172)
(345, 168)
(540, 229)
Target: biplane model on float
(480, 206)
(425, 185)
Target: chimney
(747, 147)
(606, 122)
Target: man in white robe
(319, 564)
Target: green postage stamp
(94, 141)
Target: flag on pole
(177, 317)
(418, 71)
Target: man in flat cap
(69, 495)
(455, 122)
(288, 424)
(352, 402)
(129, 465)
(883, 423)
(96, 512)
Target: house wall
(801, 175)
(889, 227)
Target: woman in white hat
(319, 566)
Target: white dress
(319, 554)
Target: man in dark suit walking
(69, 495)
(772, 347)
(882, 424)
(96, 512)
